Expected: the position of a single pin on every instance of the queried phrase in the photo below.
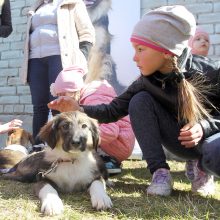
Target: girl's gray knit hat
(167, 28)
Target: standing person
(59, 34)
(117, 139)
(201, 181)
(165, 103)
(5, 18)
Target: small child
(200, 42)
(117, 139)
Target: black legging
(154, 126)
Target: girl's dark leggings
(155, 127)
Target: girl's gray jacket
(164, 89)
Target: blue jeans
(210, 160)
(155, 127)
(41, 73)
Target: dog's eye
(84, 125)
(65, 126)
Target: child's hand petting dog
(15, 123)
(64, 104)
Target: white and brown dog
(18, 144)
(70, 165)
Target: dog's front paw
(100, 200)
(110, 184)
(52, 205)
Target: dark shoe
(38, 147)
(112, 165)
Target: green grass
(17, 200)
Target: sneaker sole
(114, 171)
(159, 193)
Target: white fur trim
(52, 90)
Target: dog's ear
(31, 139)
(48, 133)
(95, 134)
(8, 140)
(10, 132)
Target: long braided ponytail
(191, 97)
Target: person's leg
(153, 126)
(54, 68)
(41, 73)
(210, 150)
(38, 81)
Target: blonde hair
(76, 95)
(191, 97)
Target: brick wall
(15, 99)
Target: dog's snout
(76, 142)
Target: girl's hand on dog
(190, 135)
(15, 123)
(64, 104)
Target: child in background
(15, 123)
(166, 107)
(117, 139)
(199, 44)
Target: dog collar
(53, 167)
(17, 147)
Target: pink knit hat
(199, 32)
(69, 80)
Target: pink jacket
(117, 138)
